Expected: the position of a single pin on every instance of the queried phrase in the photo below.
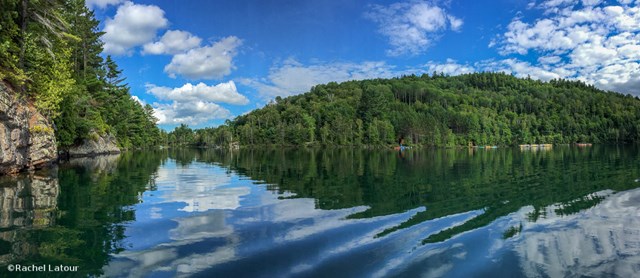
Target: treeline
(433, 110)
(50, 53)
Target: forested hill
(51, 55)
(435, 110)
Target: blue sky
(201, 62)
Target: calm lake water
(331, 213)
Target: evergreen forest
(50, 54)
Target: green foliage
(53, 81)
(380, 132)
(374, 102)
(78, 117)
(9, 48)
(50, 51)
(473, 109)
(40, 129)
(181, 135)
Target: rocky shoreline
(97, 145)
(27, 138)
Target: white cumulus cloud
(412, 27)
(133, 25)
(223, 92)
(591, 2)
(192, 113)
(549, 59)
(209, 62)
(194, 104)
(173, 42)
(597, 42)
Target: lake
(503, 212)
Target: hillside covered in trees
(433, 110)
(50, 54)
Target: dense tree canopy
(436, 110)
(50, 52)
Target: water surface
(338, 212)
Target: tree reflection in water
(446, 182)
(207, 208)
(73, 214)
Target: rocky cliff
(27, 139)
(96, 145)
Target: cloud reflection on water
(202, 187)
(601, 241)
(226, 230)
(230, 223)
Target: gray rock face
(27, 140)
(99, 144)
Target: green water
(340, 212)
